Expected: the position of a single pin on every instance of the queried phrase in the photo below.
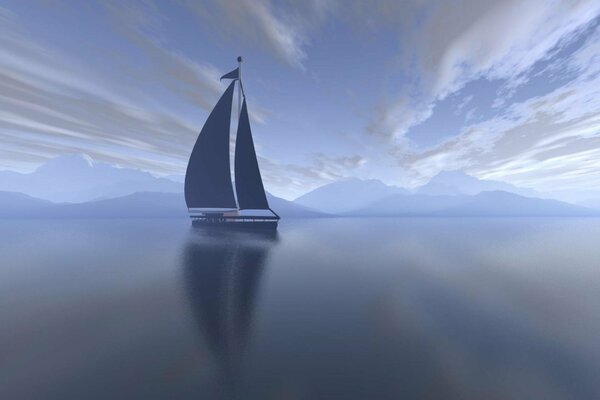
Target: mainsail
(248, 183)
(208, 175)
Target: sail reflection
(222, 272)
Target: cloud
(142, 25)
(451, 45)
(290, 180)
(549, 142)
(141, 98)
(282, 28)
(51, 104)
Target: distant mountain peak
(346, 195)
(355, 181)
(453, 175)
(456, 182)
(67, 161)
(359, 182)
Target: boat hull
(235, 223)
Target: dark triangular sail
(248, 183)
(208, 175)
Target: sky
(391, 90)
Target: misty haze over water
(328, 308)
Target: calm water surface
(324, 309)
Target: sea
(330, 308)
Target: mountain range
(172, 205)
(77, 179)
(370, 197)
(483, 204)
(74, 186)
(136, 205)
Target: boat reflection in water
(222, 272)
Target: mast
(240, 90)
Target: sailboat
(209, 190)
